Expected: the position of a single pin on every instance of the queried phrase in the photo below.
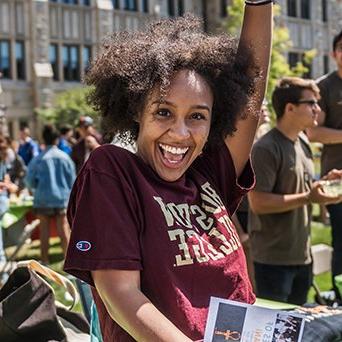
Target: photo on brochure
(233, 321)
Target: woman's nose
(180, 130)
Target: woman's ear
(136, 117)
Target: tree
(67, 107)
(281, 43)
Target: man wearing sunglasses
(329, 133)
(280, 204)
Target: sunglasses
(311, 103)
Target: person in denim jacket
(50, 176)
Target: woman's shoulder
(108, 158)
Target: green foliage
(235, 15)
(280, 45)
(68, 106)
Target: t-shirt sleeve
(104, 225)
(265, 167)
(218, 166)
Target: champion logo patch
(83, 246)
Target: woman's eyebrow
(158, 102)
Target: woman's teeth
(174, 150)
(173, 154)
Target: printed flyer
(233, 321)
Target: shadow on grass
(32, 251)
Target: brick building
(45, 46)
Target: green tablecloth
(338, 281)
(270, 304)
(15, 213)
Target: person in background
(6, 187)
(16, 167)
(28, 148)
(91, 144)
(152, 231)
(50, 177)
(280, 216)
(80, 151)
(65, 141)
(329, 133)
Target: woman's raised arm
(256, 35)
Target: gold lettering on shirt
(212, 202)
(181, 213)
(227, 222)
(184, 258)
(167, 214)
(202, 233)
(203, 220)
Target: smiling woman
(159, 238)
(172, 133)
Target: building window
(308, 74)
(5, 59)
(223, 8)
(324, 11)
(305, 12)
(20, 60)
(293, 59)
(116, 4)
(325, 64)
(86, 56)
(171, 8)
(131, 5)
(292, 8)
(204, 15)
(53, 56)
(145, 6)
(71, 63)
(72, 2)
(180, 7)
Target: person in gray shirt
(329, 133)
(279, 223)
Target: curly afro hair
(131, 64)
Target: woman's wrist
(258, 2)
(307, 197)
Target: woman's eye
(163, 112)
(198, 116)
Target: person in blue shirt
(65, 137)
(28, 148)
(50, 177)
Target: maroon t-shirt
(179, 235)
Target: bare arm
(131, 309)
(323, 134)
(270, 203)
(242, 235)
(257, 35)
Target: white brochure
(233, 321)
